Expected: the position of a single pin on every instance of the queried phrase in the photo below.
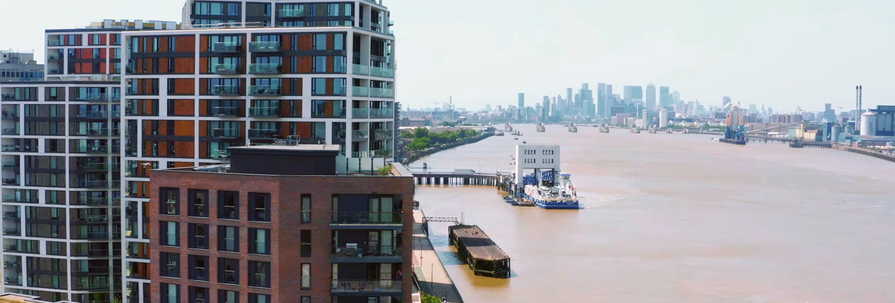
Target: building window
(259, 241)
(305, 299)
(320, 41)
(198, 268)
(198, 235)
(169, 233)
(259, 207)
(170, 200)
(259, 298)
(306, 276)
(228, 238)
(228, 296)
(198, 203)
(305, 209)
(198, 294)
(305, 243)
(228, 205)
(169, 265)
(228, 271)
(259, 274)
(170, 293)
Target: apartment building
(301, 72)
(280, 224)
(19, 66)
(93, 52)
(60, 190)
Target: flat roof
(300, 147)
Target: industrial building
(878, 123)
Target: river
(680, 218)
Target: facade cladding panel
(288, 251)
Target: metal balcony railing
(366, 286)
(366, 217)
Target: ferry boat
(573, 128)
(560, 195)
(541, 127)
(604, 129)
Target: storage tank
(868, 124)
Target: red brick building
(279, 225)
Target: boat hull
(558, 205)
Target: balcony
(92, 97)
(382, 92)
(360, 69)
(291, 13)
(264, 46)
(263, 134)
(95, 132)
(366, 253)
(360, 113)
(382, 113)
(364, 287)
(360, 91)
(11, 131)
(225, 111)
(265, 68)
(359, 136)
(265, 111)
(382, 133)
(224, 90)
(382, 153)
(265, 91)
(382, 72)
(360, 219)
(95, 184)
(223, 133)
(225, 47)
(225, 69)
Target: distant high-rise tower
(633, 93)
(665, 96)
(545, 109)
(858, 106)
(571, 101)
(520, 111)
(587, 100)
(651, 97)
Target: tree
(421, 132)
(420, 143)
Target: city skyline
(784, 51)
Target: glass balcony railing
(383, 72)
(265, 90)
(360, 113)
(360, 91)
(360, 69)
(366, 217)
(264, 46)
(382, 133)
(263, 133)
(224, 133)
(382, 153)
(265, 68)
(382, 113)
(359, 135)
(382, 92)
(225, 47)
(224, 111)
(225, 69)
(11, 131)
(366, 286)
(224, 90)
(265, 111)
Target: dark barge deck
(484, 257)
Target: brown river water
(679, 218)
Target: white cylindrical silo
(663, 118)
(868, 124)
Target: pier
(458, 177)
(484, 257)
(428, 270)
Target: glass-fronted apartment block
(91, 53)
(242, 73)
(60, 190)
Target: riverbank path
(433, 277)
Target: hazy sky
(780, 53)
